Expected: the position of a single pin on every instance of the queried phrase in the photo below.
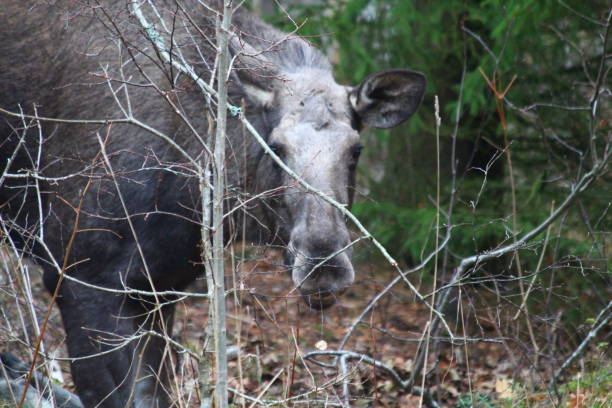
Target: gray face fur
(317, 136)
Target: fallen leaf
(504, 387)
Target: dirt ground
(273, 330)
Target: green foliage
(588, 389)
(553, 48)
(474, 401)
(596, 383)
(412, 230)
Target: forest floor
(274, 330)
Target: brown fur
(59, 56)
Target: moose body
(115, 206)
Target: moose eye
(278, 150)
(356, 151)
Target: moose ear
(388, 98)
(256, 74)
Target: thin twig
(351, 355)
(602, 319)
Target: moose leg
(152, 377)
(103, 339)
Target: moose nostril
(318, 250)
(321, 248)
(323, 274)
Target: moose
(98, 139)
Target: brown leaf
(504, 388)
